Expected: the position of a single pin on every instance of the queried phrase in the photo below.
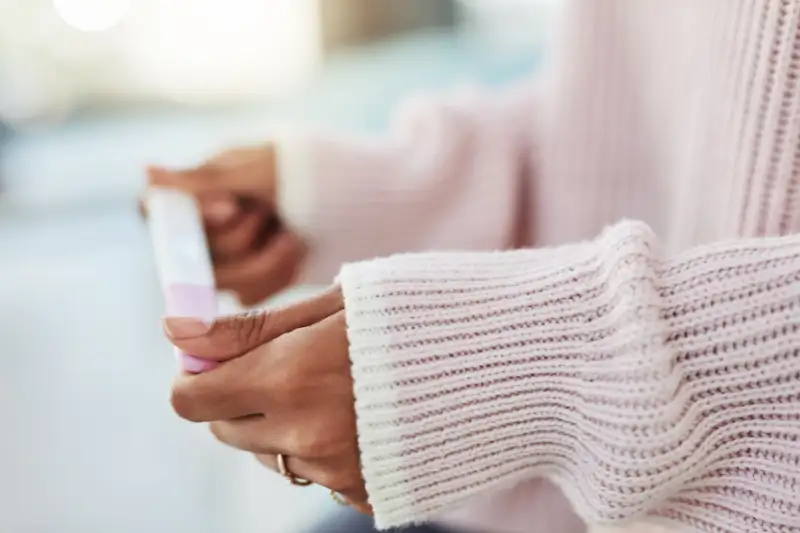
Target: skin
(284, 384)
(254, 256)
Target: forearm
(641, 384)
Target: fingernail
(195, 365)
(186, 328)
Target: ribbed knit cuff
(641, 385)
(472, 370)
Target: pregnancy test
(184, 263)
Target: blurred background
(90, 92)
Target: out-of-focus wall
(509, 25)
(60, 55)
(56, 55)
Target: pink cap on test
(185, 300)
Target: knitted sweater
(649, 371)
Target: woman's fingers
(303, 433)
(236, 192)
(284, 387)
(333, 474)
(244, 171)
(231, 242)
(255, 434)
(265, 272)
(266, 437)
(228, 391)
(234, 336)
(303, 469)
(221, 210)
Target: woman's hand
(254, 256)
(284, 387)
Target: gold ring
(338, 499)
(285, 472)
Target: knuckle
(284, 377)
(265, 461)
(252, 327)
(302, 442)
(216, 431)
(183, 402)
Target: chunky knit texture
(649, 378)
(640, 383)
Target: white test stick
(183, 261)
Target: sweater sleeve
(447, 176)
(644, 385)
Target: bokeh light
(91, 15)
(218, 52)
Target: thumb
(234, 336)
(246, 172)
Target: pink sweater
(650, 370)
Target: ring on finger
(288, 474)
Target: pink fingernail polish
(195, 365)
